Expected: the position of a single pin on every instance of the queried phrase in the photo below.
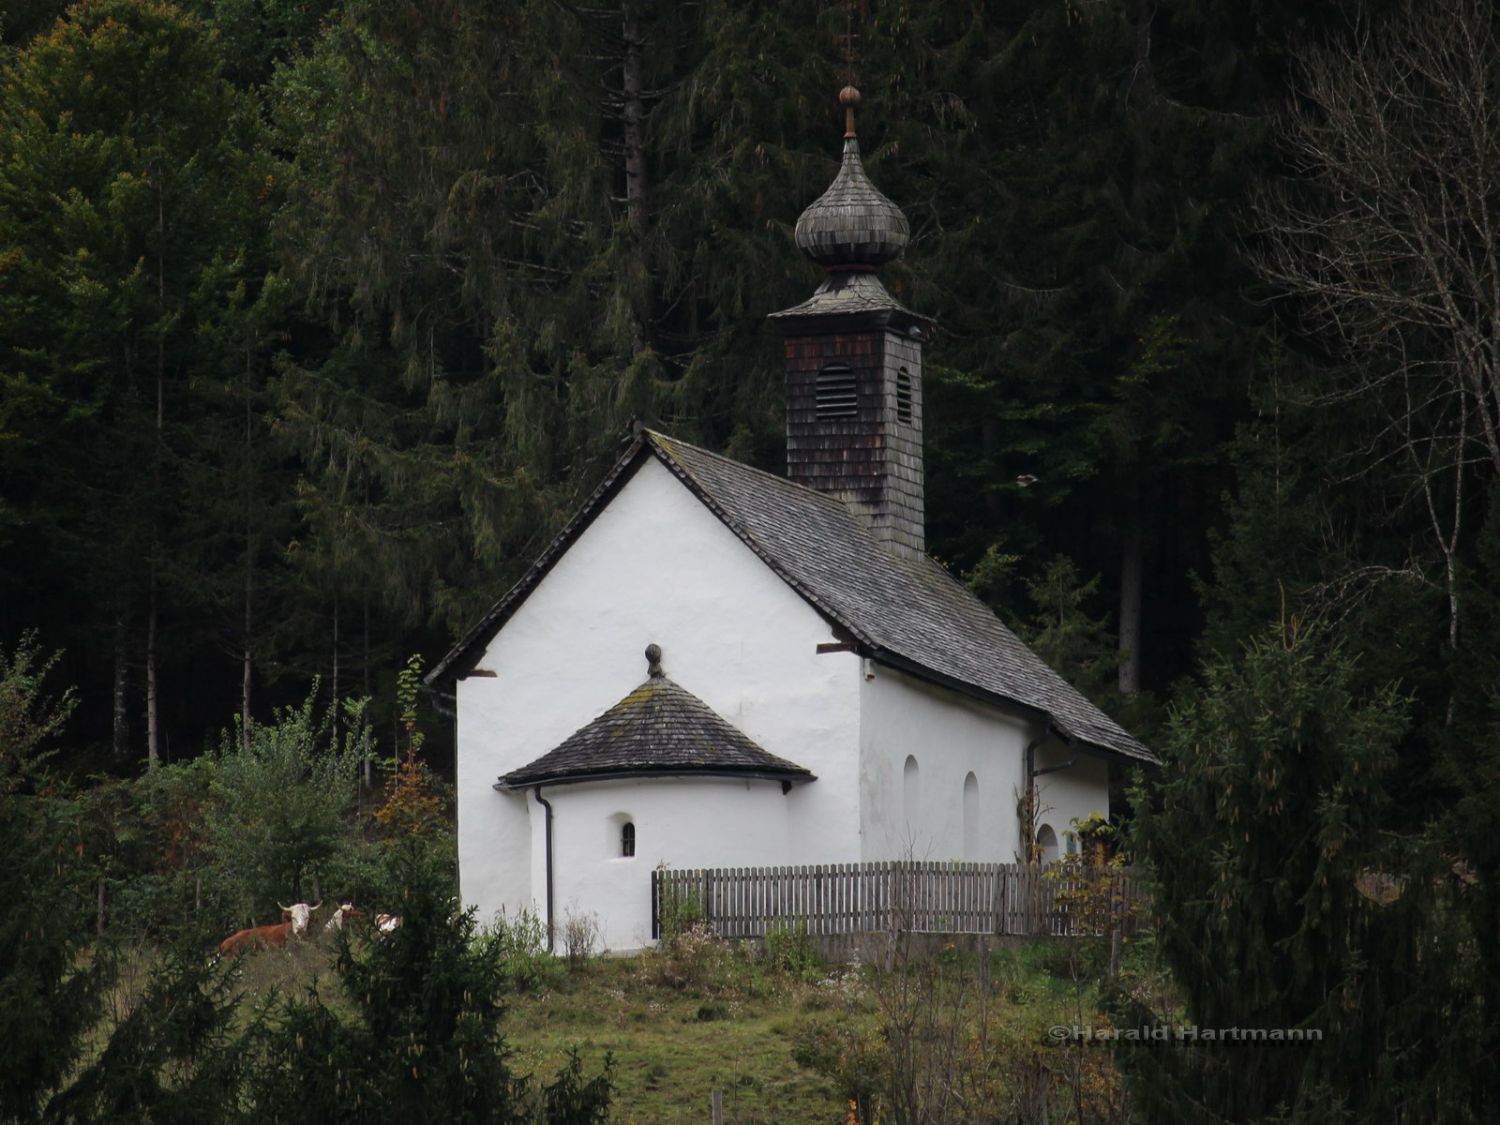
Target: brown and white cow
(387, 923)
(257, 937)
(345, 911)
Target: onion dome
(851, 226)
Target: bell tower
(854, 359)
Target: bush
(679, 914)
(282, 800)
(423, 1041)
(697, 960)
(518, 948)
(580, 934)
(791, 949)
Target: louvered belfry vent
(835, 391)
(854, 360)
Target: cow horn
(278, 903)
(319, 906)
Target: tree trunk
(333, 693)
(245, 667)
(153, 729)
(369, 766)
(1132, 551)
(249, 622)
(120, 737)
(637, 180)
(153, 725)
(634, 113)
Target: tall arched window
(1046, 843)
(971, 817)
(911, 789)
(627, 839)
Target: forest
(318, 319)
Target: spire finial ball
(849, 97)
(653, 660)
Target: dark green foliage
(50, 991)
(1266, 833)
(423, 1042)
(281, 802)
(173, 1057)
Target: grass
(679, 1022)
(672, 1046)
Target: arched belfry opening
(854, 359)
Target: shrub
(679, 913)
(580, 934)
(696, 960)
(282, 799)
(518, 948)
(423, 1041)
(791, 949)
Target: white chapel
(714, 666)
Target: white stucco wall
(1072, 793)
(655, 565)
(950, 736)
(698, 822)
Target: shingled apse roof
(907, 612)
(659, 728)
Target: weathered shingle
(909, 612)
(852, 223)
(659, 728)
(907, 607)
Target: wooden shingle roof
(909, 613)
(659, 729)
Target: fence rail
(954, 898)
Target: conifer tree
(130, 174)
(1284, 902)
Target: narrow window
(1046, 843)
(627, 839)
(835, 392)
(971, 817)
(911, 788)
(903, 396)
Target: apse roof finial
(848, 98)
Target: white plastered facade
(656, 565)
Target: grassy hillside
(788, 1039)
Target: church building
(714, 666)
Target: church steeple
(854, 358)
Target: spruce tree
(1283, 901)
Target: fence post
(716, 1102)
(656, 904)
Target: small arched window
(971, 817)
(911, 788)
(834, 391)
(903, 396)
(627, 839)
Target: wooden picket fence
(908, 896)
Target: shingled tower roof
(852, 226)
(658, 729)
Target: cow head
(298, 914)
